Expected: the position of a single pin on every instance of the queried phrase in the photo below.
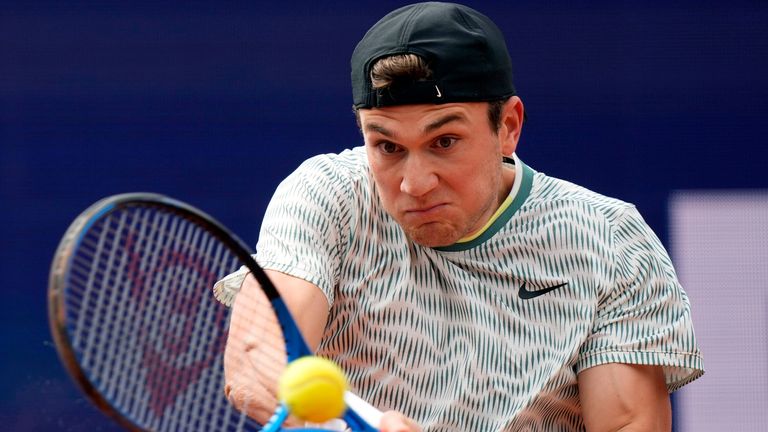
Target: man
(457, 287)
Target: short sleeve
(301, 233)
(645, 316)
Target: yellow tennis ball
(313, 389)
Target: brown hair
(398, 67)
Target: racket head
(136, 324)
(132, 314)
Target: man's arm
(307, 303)
(250, 343)
(625, 397)
(248, 346)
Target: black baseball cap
(464, 49)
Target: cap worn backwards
(463, 48)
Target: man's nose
(418, 177)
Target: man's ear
(511, 125)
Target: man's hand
(393, 421)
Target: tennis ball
(313, 389)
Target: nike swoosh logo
(527, 295)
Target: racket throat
(295, 346)
(276, 421)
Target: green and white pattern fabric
(442, 334)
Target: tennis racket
(136, 325)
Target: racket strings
(139, 306)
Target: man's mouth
(424, 211)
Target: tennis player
(459, 288)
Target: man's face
(438, 168)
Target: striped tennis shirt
(486, 334)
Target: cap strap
(408, 92)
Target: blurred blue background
(214, 103)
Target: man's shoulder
(344, 171)
(557, 194)
(353, 160)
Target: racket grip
(366, 411)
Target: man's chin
(433, 235)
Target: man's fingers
(393, 421)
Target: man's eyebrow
(442, 121)
(375, 127)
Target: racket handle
(363, 409)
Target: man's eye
(445, 142)
(388, 147)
